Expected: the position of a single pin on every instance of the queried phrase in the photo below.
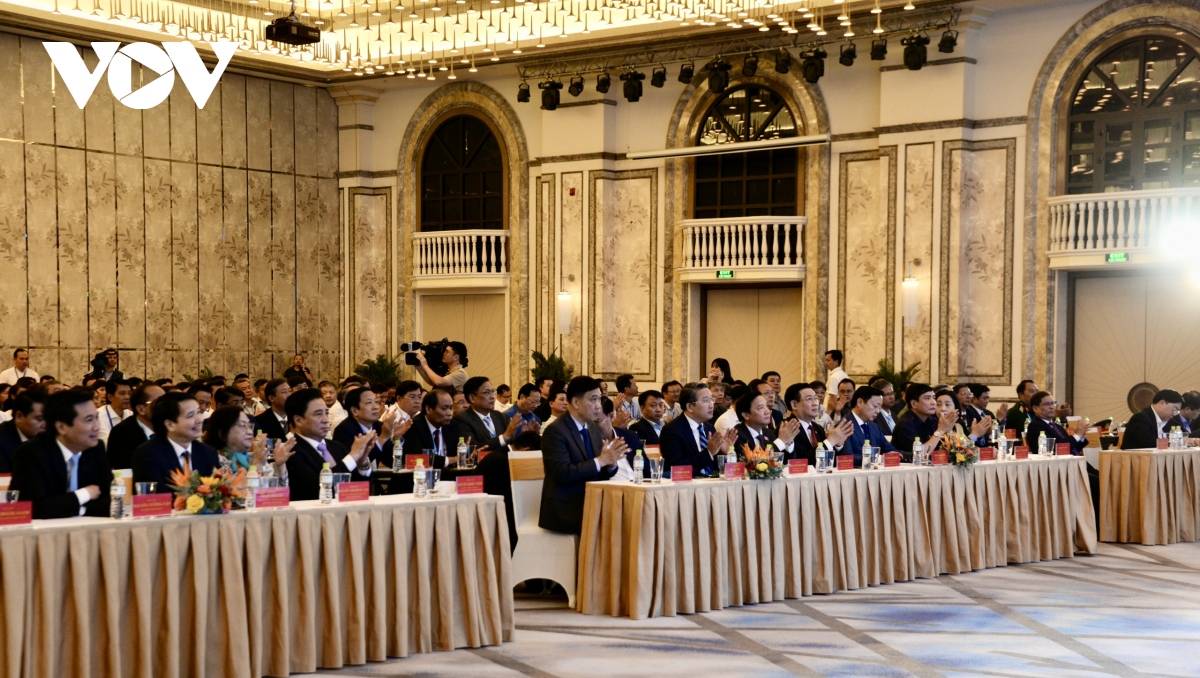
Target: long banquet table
(662, 550)
(1150, 496)
(272, 592)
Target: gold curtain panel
(1149, 496)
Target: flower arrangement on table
(760, 464)
(960, 451)
(207, 494)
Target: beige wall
(756, 331)
(478, 321)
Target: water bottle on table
(918, 453)
(1043, 445)
(326, 484)
(639, 463)
(398, 455)
(116, 494)
(252, 483)
(420, 486)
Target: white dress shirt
(109, 417)
(81, 494)
(437, 438)
(806, 430)
(696, 429)
(835, 378)
(12, 374)
(337, 414)
(348, 461)
(726, 421)
(146, 429)
(179, 451)
(778, 443)
(1159, 425)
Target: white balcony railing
(761, 247)
(1129, 220)
(460, 253)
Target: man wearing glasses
(486, 426)
(1146, 427)
(1043, 407)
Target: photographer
(455, 358)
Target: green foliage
(205, 375)
(381, 370)
(898, 379)
(552, 366)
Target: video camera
(433, 351)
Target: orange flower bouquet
(207, 494)
(760, 464)
(960, 451)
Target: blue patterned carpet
(1129, 611)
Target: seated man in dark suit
(756, 429)
(966, 414)
(1189, 411)
(309, 421)
(1145, 427)
(28, 420)
(864, 408)
(273, 420)
(434, 428)
(608, 431)
(1019, 416)
(690, 439)
(573, 455)
(764, 389)
(886, 421)
(176, 442)
(487, 427)
(364, 409)
(921, 422)
(64, 471)
(1042, 407)
(129, 435)
(650, 426)
(981, 397)
(805, 408)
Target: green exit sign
(724, 275)
(1116, 257)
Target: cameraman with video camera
(454, 356)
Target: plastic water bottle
(398, 455)
(252, 483)
(116, 494)
(1043, 444)
(639, 463)
(326, 484)
(420, 485)
(1176, 442)
(464, 450)
(730, 458)
(918, 454)
(868, 460)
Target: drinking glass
(656, 469)
(721, 465)
(338, 479)
(435, 474)
(9, 496)
(145, 488)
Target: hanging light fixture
(909, 290)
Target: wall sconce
(910, 289)
(564, 308)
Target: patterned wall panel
(623, 294)
(370, 243)
(570, 256)
(547, 270)
(977, 270)
(866, 256)
(143, 230)
(918, 244)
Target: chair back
(527, 474)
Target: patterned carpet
(1129, 611)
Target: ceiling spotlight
(750, 66)
(718, 75)
(915, 54)
(813, 65)
(603, 81)
(633, 85)
(948, 42)
(849, 54)
(687, 72)
(550, 95)
(523, 93)
(783, 61)
(879, 49)
(658, 76)
(576, 87)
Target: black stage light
(523, 93)
(849, 54)
(602, 82)
(750, 66)
(687, 72)
(550, 95)
(813, 65)
(915, 54)
(718, 75)
(658, 77)
(576, 86)
(948, 42)
(633, 85)
(879, 49)
(783, 61)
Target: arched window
(1135, 120)
(462, 177)
(746, 184)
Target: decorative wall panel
(917, 344)
(623, 290)
(370, 245)
(866, 256)
(977, 269)
(570, 258)
(142, 230)
(547, 237)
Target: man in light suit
(865, 405)
(690, 439)
(573, 455)
(486, 426)
(176, 442)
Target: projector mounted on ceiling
(290, 30)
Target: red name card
(940, 457)
(1063, 449)
(410, 460)
(1010, 433)
(16, 513)
(469, 484)
(681, 474)
(1163, 443)
(1021, 451)
(987, 454)
(845, 462)
(150, 505)
(736, 470)
(272, 497)
(891, 459)
(356, 491)
(797, 467)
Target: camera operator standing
(455, 358)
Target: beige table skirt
(1149, 496)
(265, 593)
(654, 550)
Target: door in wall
(756, 330)
(477, 320)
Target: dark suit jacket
(349, 429)
(634, 443)
(154, 460)
(909, 427)
(267, 423)
(304, 468)
(882, 422)
(1141, 431)
(645, 431)
(10, 440)
(1058, 434)
(124, 438)
(678, 447)
(419, 438)
(569, 467)
(1016, 418)
(744, 438)
(804, 448)
(40, 474)
(867, 431)
(470, 424)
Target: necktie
(812, 437)
(73, 473)
(324, 450)
(487, 421)
(703, 437)
(187, 461)
(587, 443)
(437, 441)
